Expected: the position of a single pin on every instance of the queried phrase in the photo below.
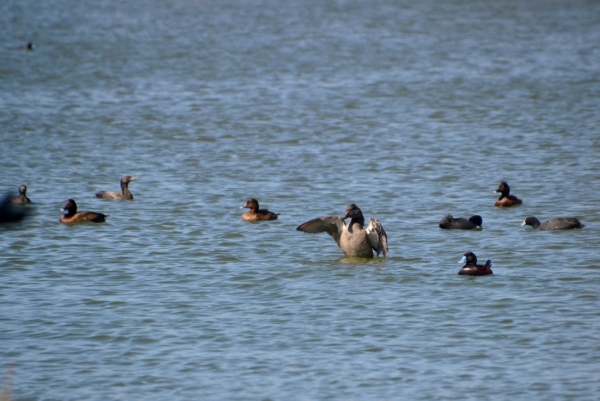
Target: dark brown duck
(256, 213)
(506, 199)
(72, 216)
(471, 268)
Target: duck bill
(463, 260)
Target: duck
(28, 46)
(506, 199)
(72, 216)
(8, 213)
(123, 195)
(557, 223)
(21, 199)
(449, 222)
(471, 268)
(352, 238)
(255, 213)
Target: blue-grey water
(411, 110)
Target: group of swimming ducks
(70, 213)
(356, 241)
(471, 268)
(352, 238)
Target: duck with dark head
(557, 223)
(256, 213)
(9, 213)
(72, 216)
(124, 194)
(459, 223)
(352, 238)
(471, 268)
(506, 199)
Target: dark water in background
(411, 110)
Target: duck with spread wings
(351, 237)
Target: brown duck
(352, 238)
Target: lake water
(411, 110)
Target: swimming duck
(21, 199)
(256, 214)
(352, 239)
(124, 194)
(449, 222)
(72, 216)
(471, 268)
(558, 223)
(28, 46)
(8, 213)
(506, 199)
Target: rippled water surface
(411, 110)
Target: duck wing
(93, 217)
(562, 223)
(377, 237)
(332, 225)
